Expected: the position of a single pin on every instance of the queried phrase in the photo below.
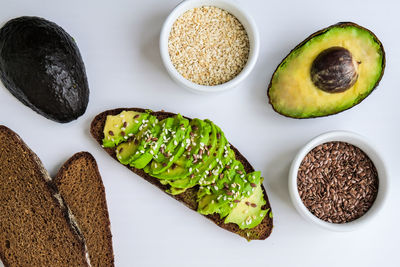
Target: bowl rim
(375, 156)
(235, 9)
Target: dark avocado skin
(40, 64)
(339, 24)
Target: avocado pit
(334, 70)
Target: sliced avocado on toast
(209, 175)
(332, 70)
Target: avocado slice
(204, 161)
(40, 64)
(226, 158)
(150, 141)
(226, 191)
(126, 151)
(248, 213)
(200, 134)
(332, 70)
(120, 127)
(173, 146)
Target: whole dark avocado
(40, 64)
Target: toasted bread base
(188, 198)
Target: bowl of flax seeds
(338, 181)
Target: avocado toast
(229, 182)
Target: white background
(119, 44)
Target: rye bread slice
(260, 232)
(81, 187)
(35, 226)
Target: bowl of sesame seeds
(209, 45)
(338, 181)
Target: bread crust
(188, 198)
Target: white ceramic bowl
(373, 154)
(233, 8)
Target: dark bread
(35, 226)
(261, 231)
(81, 187)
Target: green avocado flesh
(292, 90)
(183, 154)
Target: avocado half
(332, 70)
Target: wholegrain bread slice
(261, 231)
(81, 187)
(36, 228)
